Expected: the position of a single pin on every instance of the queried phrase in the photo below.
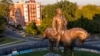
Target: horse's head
(83, 39)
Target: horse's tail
(44, 35)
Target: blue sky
(79, 2)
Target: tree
(46, 22)
(5, 8)
(31, 29)
(84, 17)
(4, 12)
(49, 11)
(88, 11)
(2, 27)
(67, 7)
(88, 18)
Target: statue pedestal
(51, 54)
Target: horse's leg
(64, 52)
(59, 36)
(51, 46)
(57, 43)
(72, 50)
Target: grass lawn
(6, 40)
(77, 53)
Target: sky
(79, 2)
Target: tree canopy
(4, 7)
(87, 17)
(49, 11)
(88, 11)
(67, 7)
(4, 12)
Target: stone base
(51, 54)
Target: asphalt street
(31, 43)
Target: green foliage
(67, 7)
(2, 25)
(90, 25)
(88, 11)
(5, 40)
(32, 29)
(87, 17)
(45, 23)
(4, 12)
(49, 12)
(4, 7)
(84, 17)
(96, 20)
(19, 27)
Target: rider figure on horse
(59, 23)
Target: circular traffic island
(51, 54)
(59, 53)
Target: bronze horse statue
(67, 38)
(51, 36)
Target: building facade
(24, 13)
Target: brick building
(24, 13)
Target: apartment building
(25, 12)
